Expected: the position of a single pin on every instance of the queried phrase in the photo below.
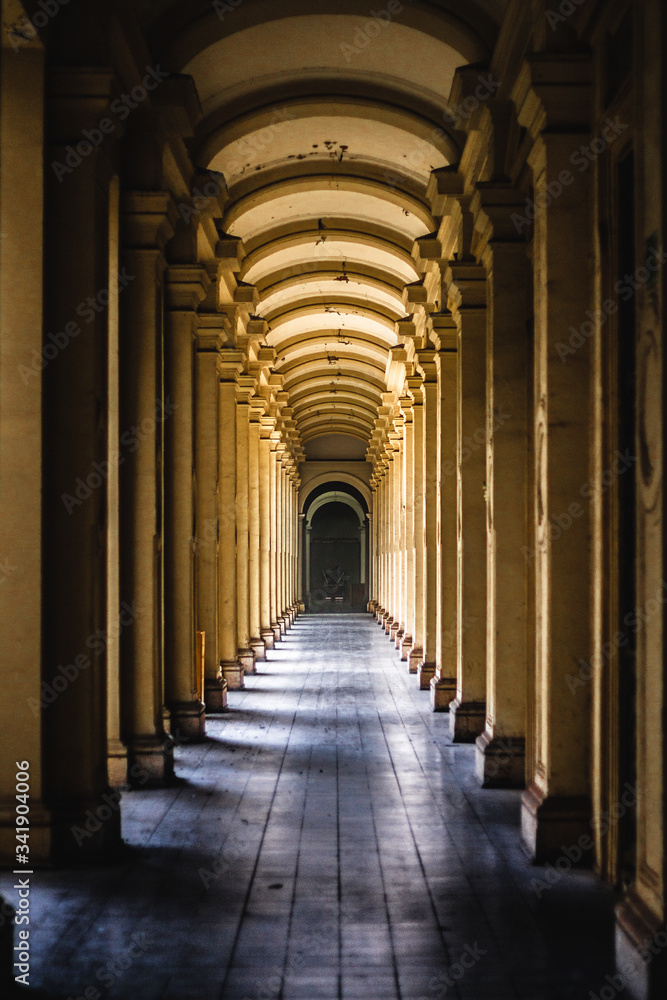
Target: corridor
(326, 841)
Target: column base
(284, 624)
(467, 720)
(246, 658)
(151, 761)
(215, 695)
(426, 673)
(393, 631)
(268, 638)
(41, 833)
(443, 693)
(259, 649)
(416, 659)
(232, 671)
(500, 762)
(277, 632)
(641, 959)
(301, 607)
(554, 825)
(406, 646)
(400, 636)
(116, 763)
(188, 720)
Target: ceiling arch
(327, 123)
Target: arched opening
(336, 550)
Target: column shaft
(443, 686)
(143, 414)
(186, 287)
(468, 711)
(501, 747)
(207, 416)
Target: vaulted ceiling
(326, 122)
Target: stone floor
(327, 841)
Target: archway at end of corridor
(336, 550)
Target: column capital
(148, 219)
(230, 364)
(268, 424)
(186, 286)
(466, 286)
(211, 333)
(78, 97)
(445, 334)
(426, 362)
(553, 91)
(415, 385)
(245, 388)
(495, 206)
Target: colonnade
(164, 562)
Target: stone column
(281, 458)
(22, 325)
(273, 534)
(244, 391)
(210, 339)
(415, 385)
(501, 747)
(430, 552)
(116, 749)
(231, 364)
(301, 559)
(370, 566)
(146, 218)
(557, 806)
(186, 287)
(362, 549)
(391, 625)
(254, 559)
(385, 538)
(409, 529)
(397, 629)
(467, 298)
(443, 685)
(265, 461)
